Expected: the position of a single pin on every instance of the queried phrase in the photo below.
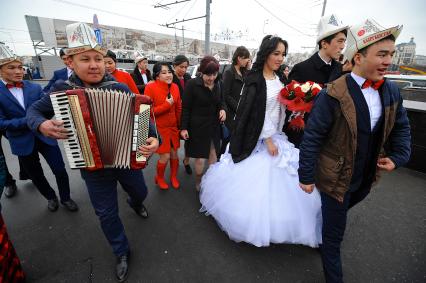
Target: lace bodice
(273, 113)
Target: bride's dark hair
(268, 45)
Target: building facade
(405, 53)
(420, 60)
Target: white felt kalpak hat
(140, 58)
(329, 25)
(6, 56)
(81, 38)
(365, 34)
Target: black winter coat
(176, 80)
(232, 84)
(316, 70)
(137, 77)
(200, 116)
(250, 117)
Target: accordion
(105, 127)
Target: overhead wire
(289, 11)
(190, 8)
(180, 10)
(279, 19)
(105, 11)
(114, 13)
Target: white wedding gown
(258, 200)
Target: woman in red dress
(167, 109)
(120, 76)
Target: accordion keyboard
(140, 130)
(72, 147)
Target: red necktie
(143, 72)
(370, 83)
(18, 85)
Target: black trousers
(9, 178)
(53, 157)
(334, 215)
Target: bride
(253, 192)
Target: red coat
(167, 116)
(125, 78)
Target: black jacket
(316, 70)
(200, 116)
(232, 84)
(137, 77)
(176, 80)
(250, 117)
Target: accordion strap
(102, 84)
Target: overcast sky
(293, 20)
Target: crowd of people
(263, 181)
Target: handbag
(224, 131)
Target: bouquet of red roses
(298, 98)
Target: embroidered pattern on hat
(77, 35)
(361, 32)
(333, 21)
(377, 37)
(94, 39)
(3, 53)
(370, 27)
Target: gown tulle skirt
(258, 200)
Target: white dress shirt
(144, 77)
(18, 93)
(372, 97)
(69, 72)
(327, 63)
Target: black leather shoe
(10, 191)
(70, 205)
(53, 204)
(140, 209)
(122, 267)
(23, 176)
(188, 168)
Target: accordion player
(105, 127)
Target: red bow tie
(19, 85)
(143, 72)
(370, 83)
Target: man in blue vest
(16, 96)
(342, 151)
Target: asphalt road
(385, 238)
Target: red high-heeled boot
(159, 178)
(174, 167)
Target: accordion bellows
(106, 127)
